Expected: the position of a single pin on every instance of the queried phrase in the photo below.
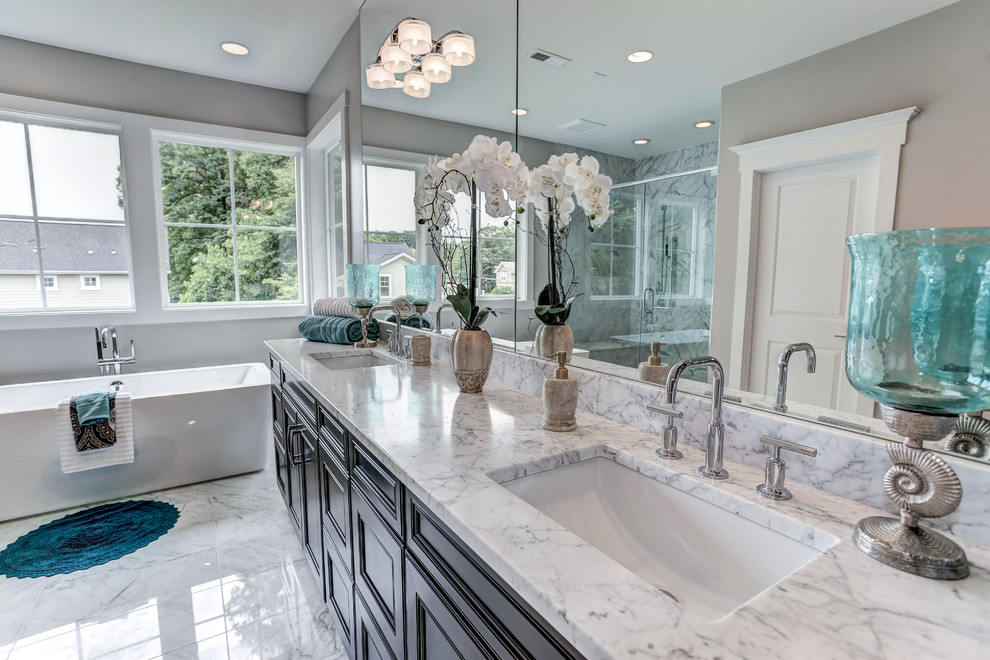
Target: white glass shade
(415, 85)
(458, 49)
(435, 68)
(394, 59)
(378, 77)
(415, 36)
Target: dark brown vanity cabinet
(398, 582)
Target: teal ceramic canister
(919, 319)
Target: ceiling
(290, 40)
(700, 46)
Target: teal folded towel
(414, 321)
(92, 407)
(335, 329)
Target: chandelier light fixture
(411, 52)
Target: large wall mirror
(649, 274)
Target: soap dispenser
(654, 371)
(560, 394)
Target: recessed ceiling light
(234, 48)
(640, 56)
(520, 111)
(641, 141)
(704, 123)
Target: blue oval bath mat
(87, 538)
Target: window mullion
(233, 224)
(34, 214)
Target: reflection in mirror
(648, 274)
(402, 132)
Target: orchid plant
(557, 189)
(486, 166)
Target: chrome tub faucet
(782, 362)
(107, 338)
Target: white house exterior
(393, 257)
(85, 265)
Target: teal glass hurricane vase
(918, 342)
(919, 319)
(421, 286)
(363, 284)
(363, 292)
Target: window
(335, 219)
(385, 286)
(61, 210)
(496, 248)
(390, 218)
(613, 248)
(230, 222)
(90, 282)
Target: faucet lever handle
(773, 481)
(670, 412)
(776, 444)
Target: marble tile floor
(229, 581)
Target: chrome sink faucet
(446, 305)
(782, 362)
(714, 443)
(396, 340)
(107, 338)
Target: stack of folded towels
(336, 321)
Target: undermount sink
(351, 361)
(710, 560)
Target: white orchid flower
(481, 149)
(587, 169)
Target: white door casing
(802, 279)
(818, 176)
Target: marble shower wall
(603, 325)
(848, 464)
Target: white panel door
(802, 281)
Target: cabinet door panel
(368, 641)
(336, 502)
(339, 588)
(436, 630)
(310, 487)
(378, 570)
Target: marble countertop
(458, 448)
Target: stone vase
(552, 339)
(471, 357)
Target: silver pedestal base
(911, 549)
(365, 343)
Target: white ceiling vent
(596, 75)
(546, 57)
(582, 126)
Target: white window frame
(385, 281)
(142, 236)
(637, 253)
(53, 287)
(9, 112)
(417, 162)
(97, 286)
(296, 153)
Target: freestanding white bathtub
(190, 425)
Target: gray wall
(58, 74)
(45, 72)
(938, 62)
(344, 74)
